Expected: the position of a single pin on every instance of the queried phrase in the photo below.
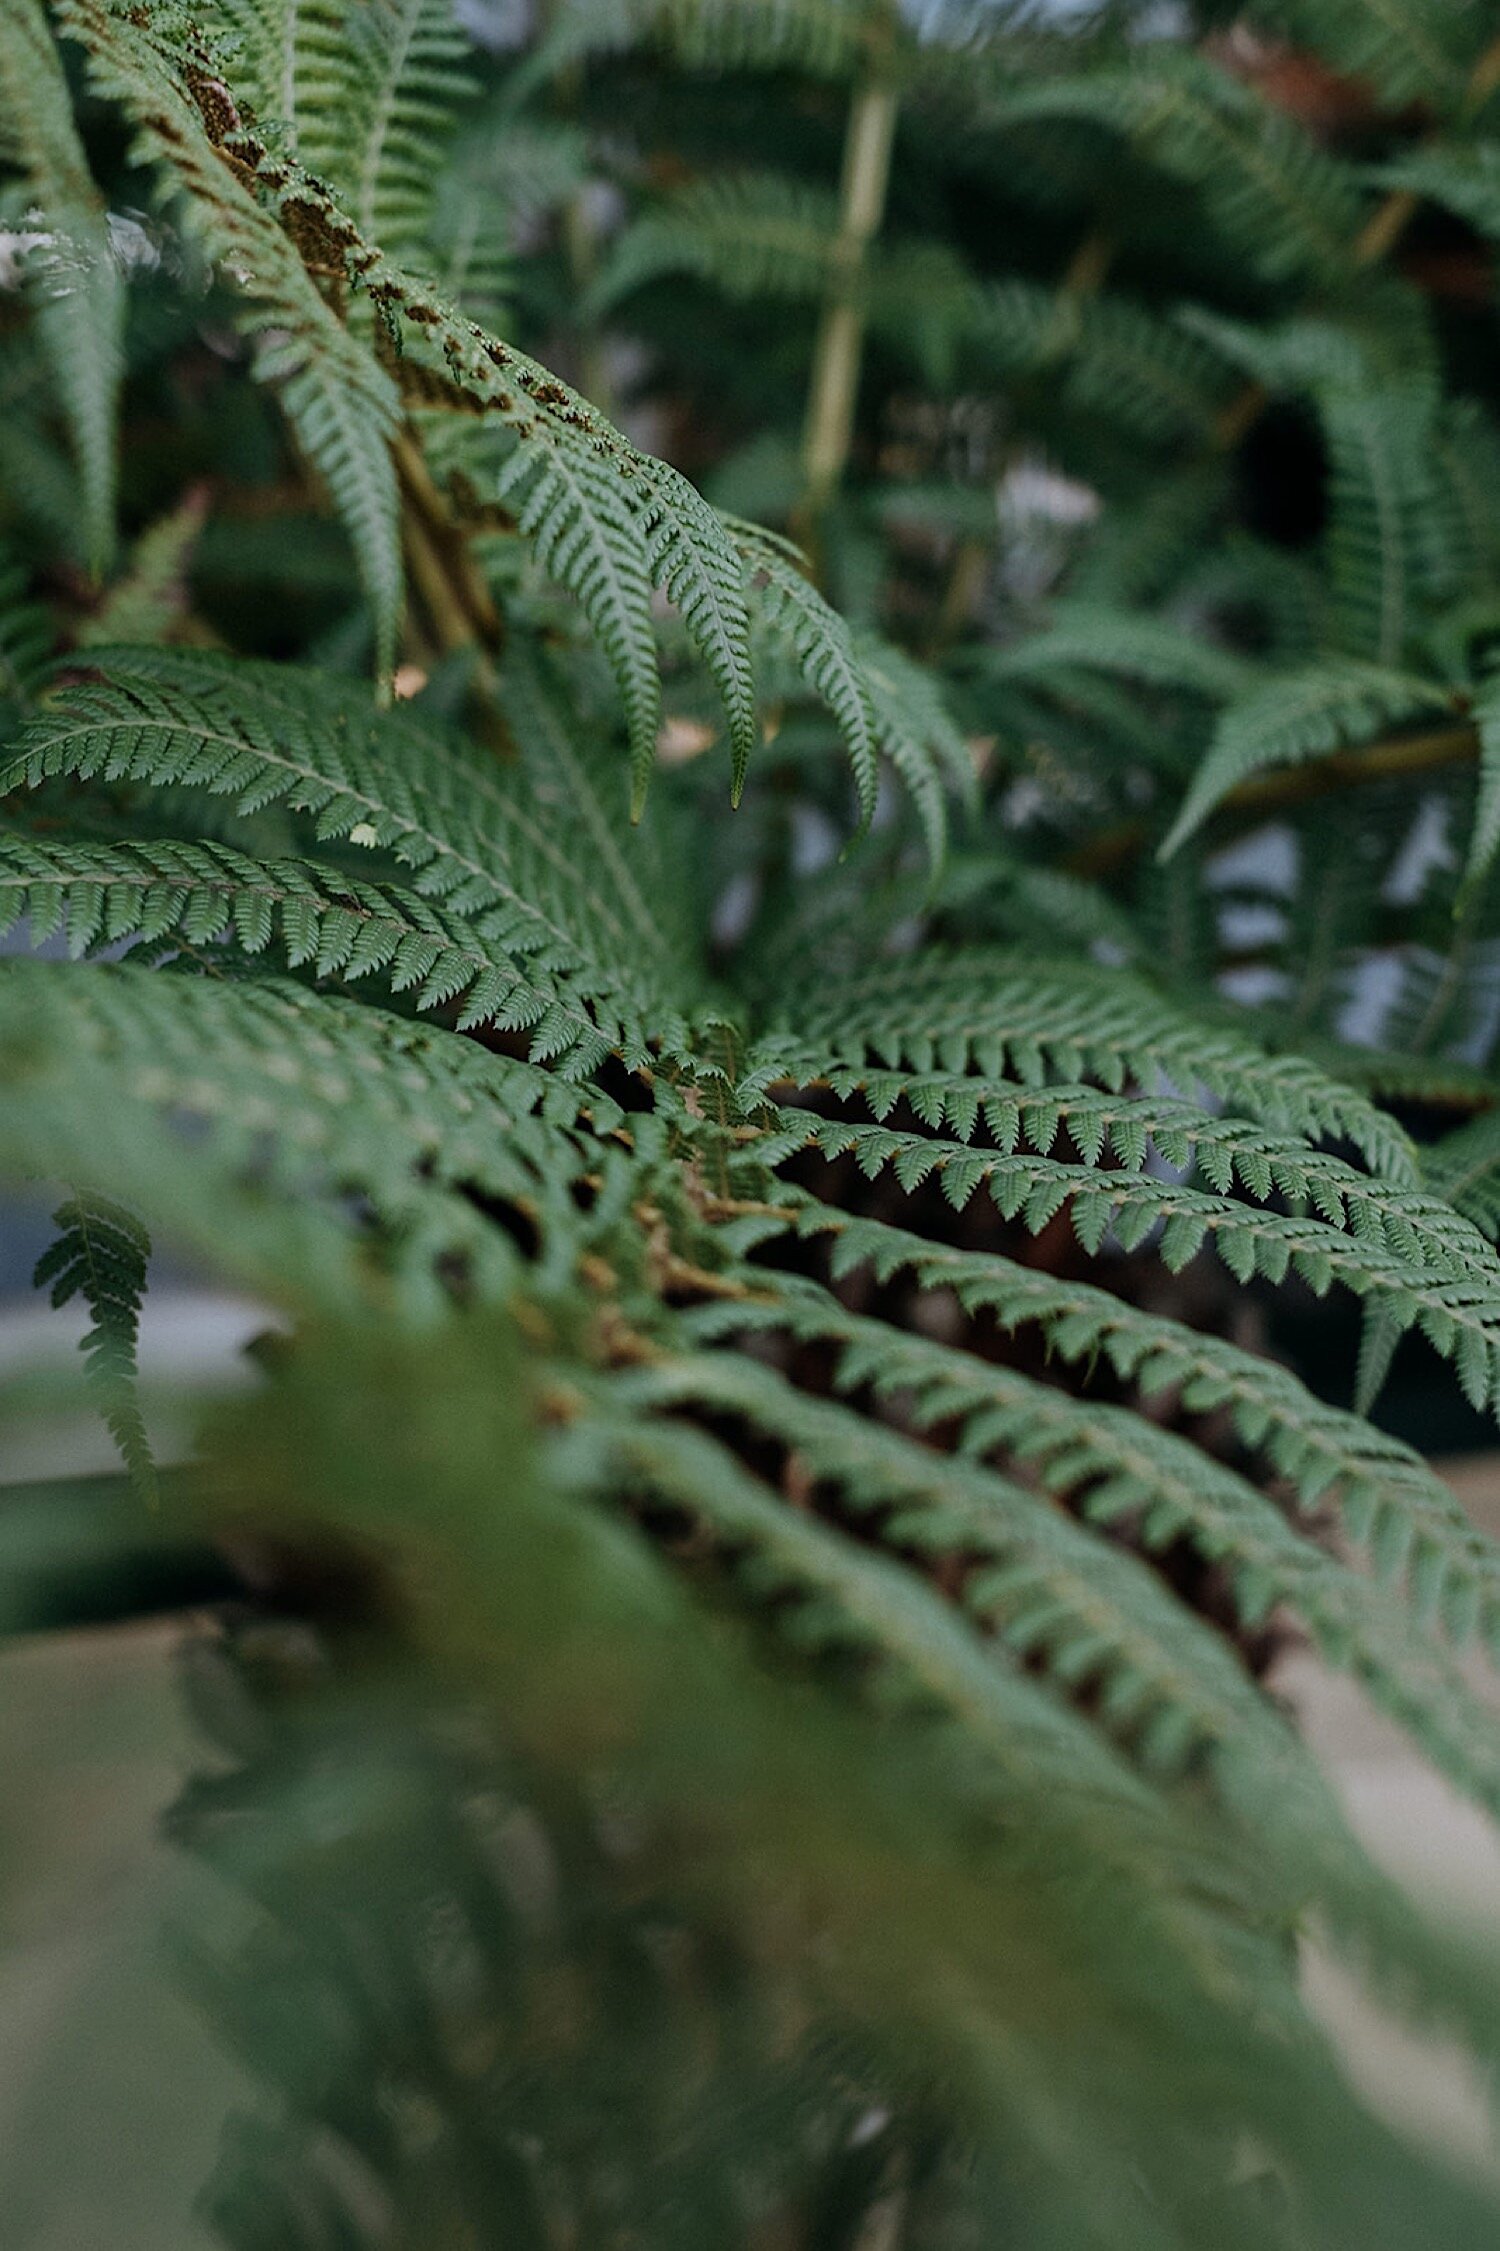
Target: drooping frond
(917, 733)
(100, 1255)
(579, 521)
(340, 402)
(1289, 721)
(610, 521)
(820, 642)
(73, 275)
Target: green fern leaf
(76, 282)
(1389, 1501)
(1005, 1014)
(1288, 722)
(1285, 204)
(100, 1254)
(342, 405)
(535, 935)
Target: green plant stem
(1393, 759)
(840, 342)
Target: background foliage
(778, 1464)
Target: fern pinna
(781, 1315)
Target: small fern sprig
(100, 1255)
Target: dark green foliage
(792, 1520)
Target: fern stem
(840, 342)
(1396, 758)
(452, 592)
(467, 604)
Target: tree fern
(768, 1540)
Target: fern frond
(408, 65)
(1134, 645)
(1464, 1167)
(341, 403)
(75, 281)
(1004, 1014)
(1288, 722)
(1389, 1501)
(578, 519)
(1112, 360)
(345, 1142)
(100, 1254)
(531, 913)
(1484, 835)
(1124, 1134)
(675, 535)
(366, 93)
(822, 37)
(1411, 50)
(1283, 202)
(26, 636)
(149, 598)
(1466, 179)
(1456, 1302)
(1091, 1617)
(917, 733)
(1381, 495)
(850, 1598)
(1377, 398)
(342, 930)
(752, 234)
(820, 642)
